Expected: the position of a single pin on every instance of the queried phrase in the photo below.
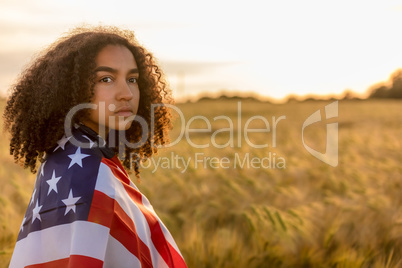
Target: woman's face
(116, 90)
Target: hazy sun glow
(272, 48)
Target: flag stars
(53, 183)
(77, 158)
(62, 142)
(22, 224)
(35, 212)
(33, 197)
(70, 202)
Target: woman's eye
(132, 80)
(106, 80)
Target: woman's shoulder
(82, 150)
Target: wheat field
(230, 204)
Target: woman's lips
(124, 111)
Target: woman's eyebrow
(133, 71)
(112, 70)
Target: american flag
(86, 212)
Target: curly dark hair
(63, 76)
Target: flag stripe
(169, 238)
(106, 211)
(166, 232)
(118, 256)
(75, 261)
(157, 235)
(61, 241)
(178, 260)
(112, 187)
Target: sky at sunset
(271, 48)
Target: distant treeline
(225, 97)
(391, 89)
(290, 98)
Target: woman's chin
(121, 127)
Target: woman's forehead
(116, 56)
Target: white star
(35, 212)
(77, 158)
(53, 182)
(42, 172)
(62, 142)
(33, 196)
(91, 143)
(70, 202)
(22, 224)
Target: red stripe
(75, 261)
(177, 258)
(101, 211)
(167, 251)
(107, 212)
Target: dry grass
(308, 214)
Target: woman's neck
(101, 130)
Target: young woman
(84, 108)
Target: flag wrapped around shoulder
(85, 212)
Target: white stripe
(165, 231)
(118, 256)
(169, 237)
(112, 187)
(59, 242)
